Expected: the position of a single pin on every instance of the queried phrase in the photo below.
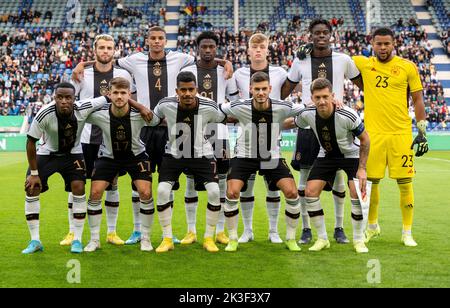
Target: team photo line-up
(169, 112)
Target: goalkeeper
(388, 82)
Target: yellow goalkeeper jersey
(386, 93)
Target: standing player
(336, 130)
(211, 84)
(322, 62)
(155, 75)
(188, 150)
(59, 124)
(95, 84)
(258, 50)
(121, 151)
(388, 81)
(258, 150)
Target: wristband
(34, 172)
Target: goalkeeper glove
(421, 140)
(304, 50)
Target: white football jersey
(155, 79)
(188, 129)
(260, 131)
(277, 77)
(335, 68)
(336, 135)
(212, 84)
(61, 135)
(121, 136)
(95, 84)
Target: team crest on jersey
(104, 87)
(395, 71)
(326, 136)
(157, 69)
(68, 130)
(207, 83)
(322, 73)
(120, 133)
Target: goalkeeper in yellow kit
(388, 82)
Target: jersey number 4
(382, 82)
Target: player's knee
(291, 193)
(77, 188)
(311, 192)
(96, 193)
(232, 194)
(145, 194)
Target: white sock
(357, 219)
(212, 209)
(147, 210)
(136, 211)
(273, 209)
(70, 212)
(164, 207)
(95, 218)
(79, 216)
(339, 199)
(112, 208)
(165, 220)
(231, 212)
(220, 227)
(247, 204)
(304, 173)
(191, 204)
(292, 217)
(32, 210)
(316, 215)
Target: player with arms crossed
(258, 50)
(316, 60)
(188, 150)
(388, 82)
(336, 130)
(60, 124)
(213, 85)
(121, 151)
(258, 150)
(95, 84)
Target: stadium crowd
(31, 63)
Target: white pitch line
(437, 159)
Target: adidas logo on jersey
(322, 65)
(187, 119)
(263, 120)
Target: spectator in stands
(334, 22)
(48, 15)
(412, 22)
(119, 7)
(400, 22)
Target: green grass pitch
(256, 264)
